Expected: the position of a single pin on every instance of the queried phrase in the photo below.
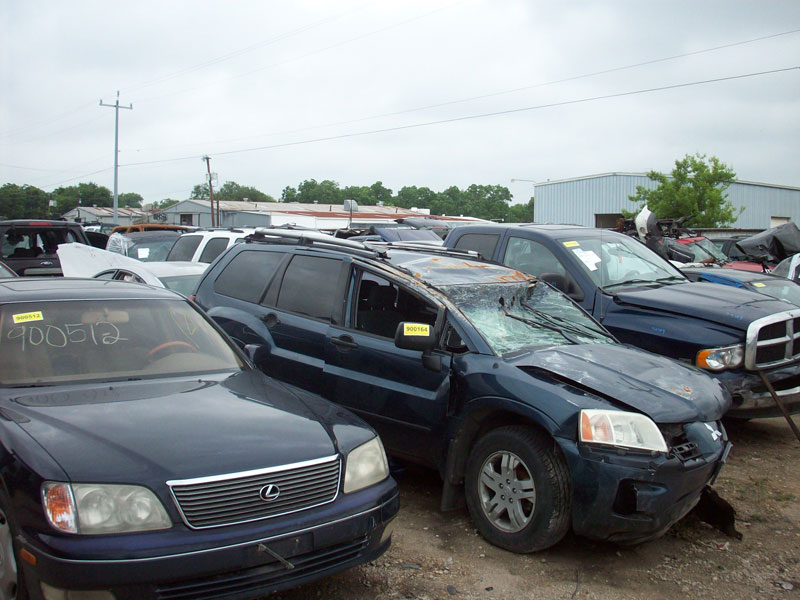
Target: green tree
(233, 192)
(23, 202)
(165, 203)
(289, 194)
(130, 200)
(200, 192)
(521, 213)
(414, 197)
(325, 192)
(696, 187)
(83, 194)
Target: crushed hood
(664, 390)
(734, 307)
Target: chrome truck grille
(773, 341)
(253, 495)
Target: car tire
(517, 489)
(12, 581)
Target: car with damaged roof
(736, 335)
(534, 415)
(143, 456)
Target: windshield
(102, 340)
(703, 249)
(782, 289)
(183, 284)
(143, 249)
(515, 316)
(617, 260)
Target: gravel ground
(438, 555)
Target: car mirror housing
(415, 336)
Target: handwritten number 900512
(102, 333)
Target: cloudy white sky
(407, 92)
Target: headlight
(718, 359)
(366, 465)
(617, 428)
(92, 508)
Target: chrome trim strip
(207, 550)
(254, 472)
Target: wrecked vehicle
(531, 411)
(28, 246)
(733, 334)
(774, 244)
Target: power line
(479, 116)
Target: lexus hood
(734, 307)
(663, 389)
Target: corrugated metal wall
(577, 201)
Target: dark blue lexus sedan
(142, 456)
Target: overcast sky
(407, 92)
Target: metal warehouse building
(597, 201)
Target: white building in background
(273, 214)
(105, 215)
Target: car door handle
(343, 342)
(270, 320)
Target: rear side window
(213, 249)
(310, 286)
(185, 247)
(484, 243)
(247, 275)
(531, 257)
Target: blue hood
(664, 390)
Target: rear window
(484, 243)
(185, 247)
(213, 249)
(247, 275)
(309, 286)
(30, 243)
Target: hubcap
(507, 492)
(8, 566)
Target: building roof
(107, 211)
(623, 174)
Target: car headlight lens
(618, 428)
(717, 359)
(366, 465)
(92, 508)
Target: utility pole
(214, 222)
(116, 108)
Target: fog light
(53, 593)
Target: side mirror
(415, 336)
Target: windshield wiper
(628, 281)
(563, 322)
(532, 323)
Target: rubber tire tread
(551, 477)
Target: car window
(185, 247)
(381, 305)
(531, 257)
(106, 274)
(309, 286)
(247, 275)
(484, 243)
(213, 249)
(79, 340)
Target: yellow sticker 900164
(571, 244)
(416, 329)
(27, 317)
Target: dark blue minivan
(532, 412)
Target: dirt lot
(438, 555)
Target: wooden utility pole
(214, 222)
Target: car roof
(446, 269)
(150, 235)
(33, 289)
(38, 223)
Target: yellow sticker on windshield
(571, 244)
(756, 284)
(416, 329)
(27, 317)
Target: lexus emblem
(269, 493)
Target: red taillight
(39, 223)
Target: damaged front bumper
(632, 497)
(751, 398)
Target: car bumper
(230, 568)
(751, 398)
(632, 498)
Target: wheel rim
(507, 492)
(8, 566)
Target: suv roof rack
(312, 238)
(430, 249)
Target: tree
(130, 200)
(200, 192)
(326, 192)
(83, 194)
(521, 213)
(233, 192)
(695, 187)
(165, 203)
(23, 202)
(289, 194)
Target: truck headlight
(95, 508)
(366, 465)
(618, 428)
(717, 359)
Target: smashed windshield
(704, 249)
(782, 289)
(616, 261)
(514, 316)
(100, 340)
